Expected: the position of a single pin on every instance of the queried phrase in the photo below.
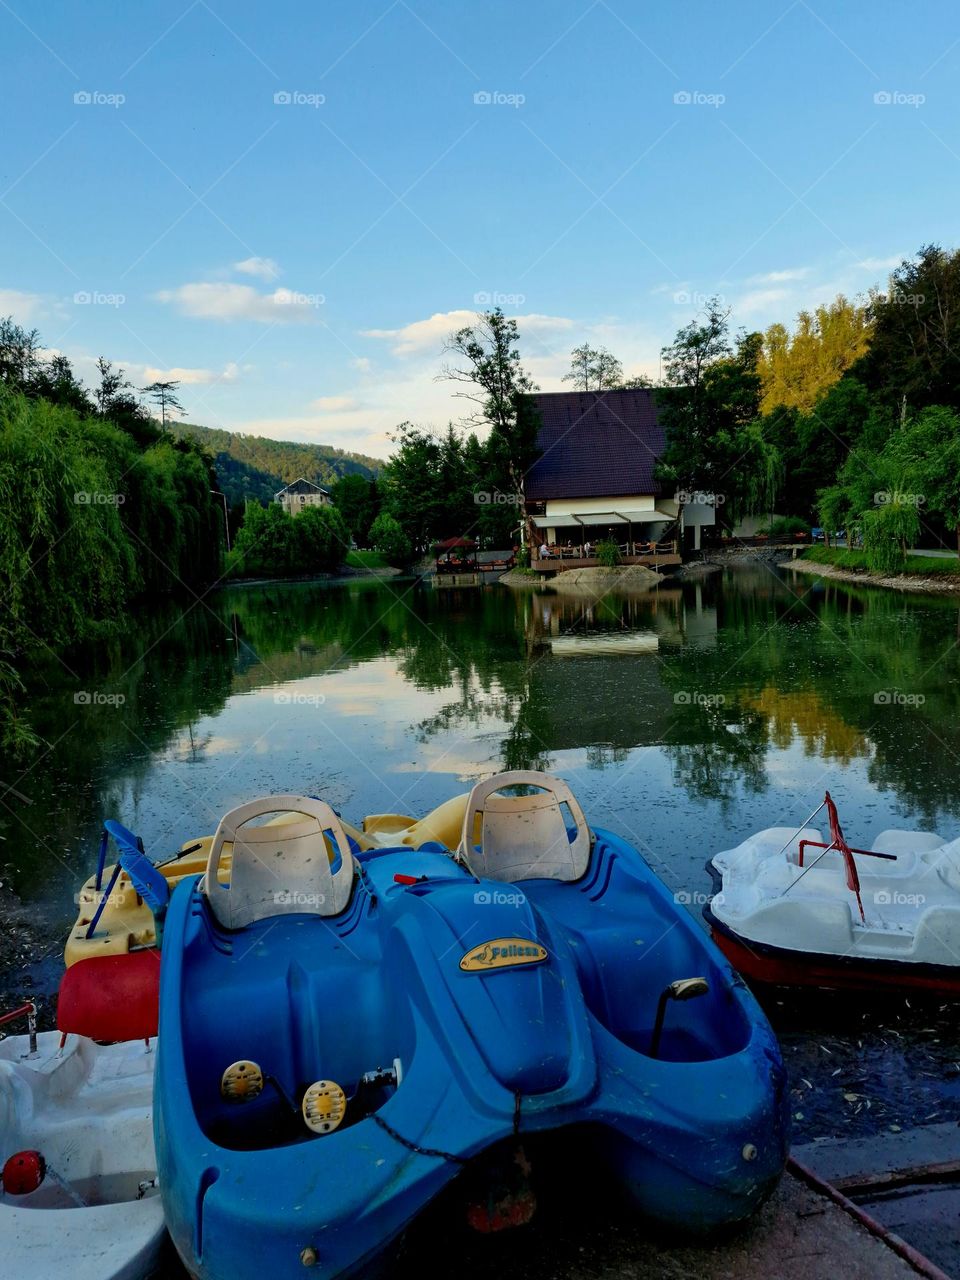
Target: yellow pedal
(324, 1106)
(242, 1081)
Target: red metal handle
(25, 1011)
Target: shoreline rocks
(948, 584)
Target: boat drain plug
(749, 1152)
(309, 1256)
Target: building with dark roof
(594, 477)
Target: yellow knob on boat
(242, 1081)
(324, 1106)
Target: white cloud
(421, 335)
(24, 307)
(334, 404)
(362, 364)
(262, 268)
(424, 335)
(780, 277)
(882, 264)
(759, 300)
(229, 302)
(192, 377)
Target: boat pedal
(324, 1106)
(242, 1081)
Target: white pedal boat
(790, 908)
(87, 1113)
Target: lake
(684, 719)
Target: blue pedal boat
(343, 1035)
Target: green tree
(321, 539)
(593, 369)
(715, 442)
(488, 365)
(390, 540)
(925, 453)
(357, 498)
(914, 354)
(411, 493)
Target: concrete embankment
(942, 584)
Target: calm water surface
(706, 711)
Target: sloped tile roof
(595, 443)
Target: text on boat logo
(502, 952)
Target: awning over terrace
(644, 516)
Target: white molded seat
(524, 837)
(281, 867)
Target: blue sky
(289, 206)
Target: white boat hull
(89, 1112)
(787, 916)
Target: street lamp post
(226, 518)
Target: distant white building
(302, 493)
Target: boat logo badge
(502, 953)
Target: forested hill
(255, 467)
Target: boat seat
(946, 860)
(524, 837)
(279, 868)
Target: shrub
(608, 554)
(887, 532)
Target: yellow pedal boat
(126, 922)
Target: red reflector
(23, 1173)
(407, 879)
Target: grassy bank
(856, 561)
(365, 560)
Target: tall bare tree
(165, 395)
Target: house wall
(294, 502)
